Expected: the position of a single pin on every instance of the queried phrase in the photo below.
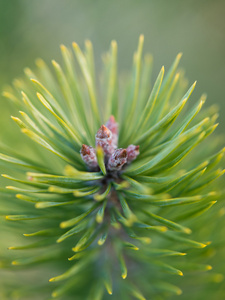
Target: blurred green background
(31, 29)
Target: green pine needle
(132, 221)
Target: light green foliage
(95, 238)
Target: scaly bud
(103, 139)
(113, 127)
(132, 152)
(89, 156)
(117, 159)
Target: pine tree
(120, 193)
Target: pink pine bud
(89, 156)
(103, 139)
(113, 127)
(117, 159)
(132, 152)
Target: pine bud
(113, 127)
(104, 140)
(89, 156)
(132, 152)
(117, 159)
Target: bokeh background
(31, 29)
